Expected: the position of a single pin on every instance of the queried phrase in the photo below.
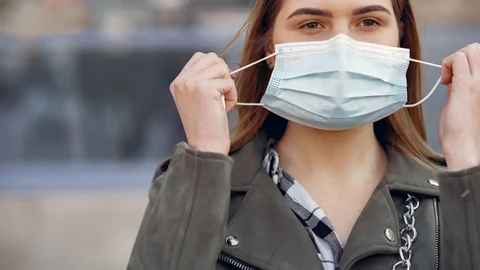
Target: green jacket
(198, 200)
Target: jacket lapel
(270, 236)
(369, 234)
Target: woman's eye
(369, 23)
(312, 25)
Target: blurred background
(86, 114)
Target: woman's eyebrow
(311, 11)
(368, 9)
(329, 14)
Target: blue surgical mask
(337, 84)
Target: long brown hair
(403, 130)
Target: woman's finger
(210, 59)
(230, 94)
(455, 65)
(473, 57)
(233, 76)
(218, 71)
(226, 90)
(193, 60)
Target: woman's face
(313, 20)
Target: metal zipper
(234, 262)
(437, 234)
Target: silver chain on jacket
(408, 233)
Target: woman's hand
(199, 91)
(459, 127)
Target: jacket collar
(248, 161)
(403, 174)
(407, 175)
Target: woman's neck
(332, 157)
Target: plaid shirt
(320, 229)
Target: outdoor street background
(86, 114)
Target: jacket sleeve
(184, 225)
(460, 220)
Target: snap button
(390, 235)
(433, 182)
(232, 241)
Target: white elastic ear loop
(425, 98)
(243, 68)
(253, 64)
(405, 106)
(431, 91)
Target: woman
(328, 171)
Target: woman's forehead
(333, 6)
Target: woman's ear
(270, 61)
(401, 32)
